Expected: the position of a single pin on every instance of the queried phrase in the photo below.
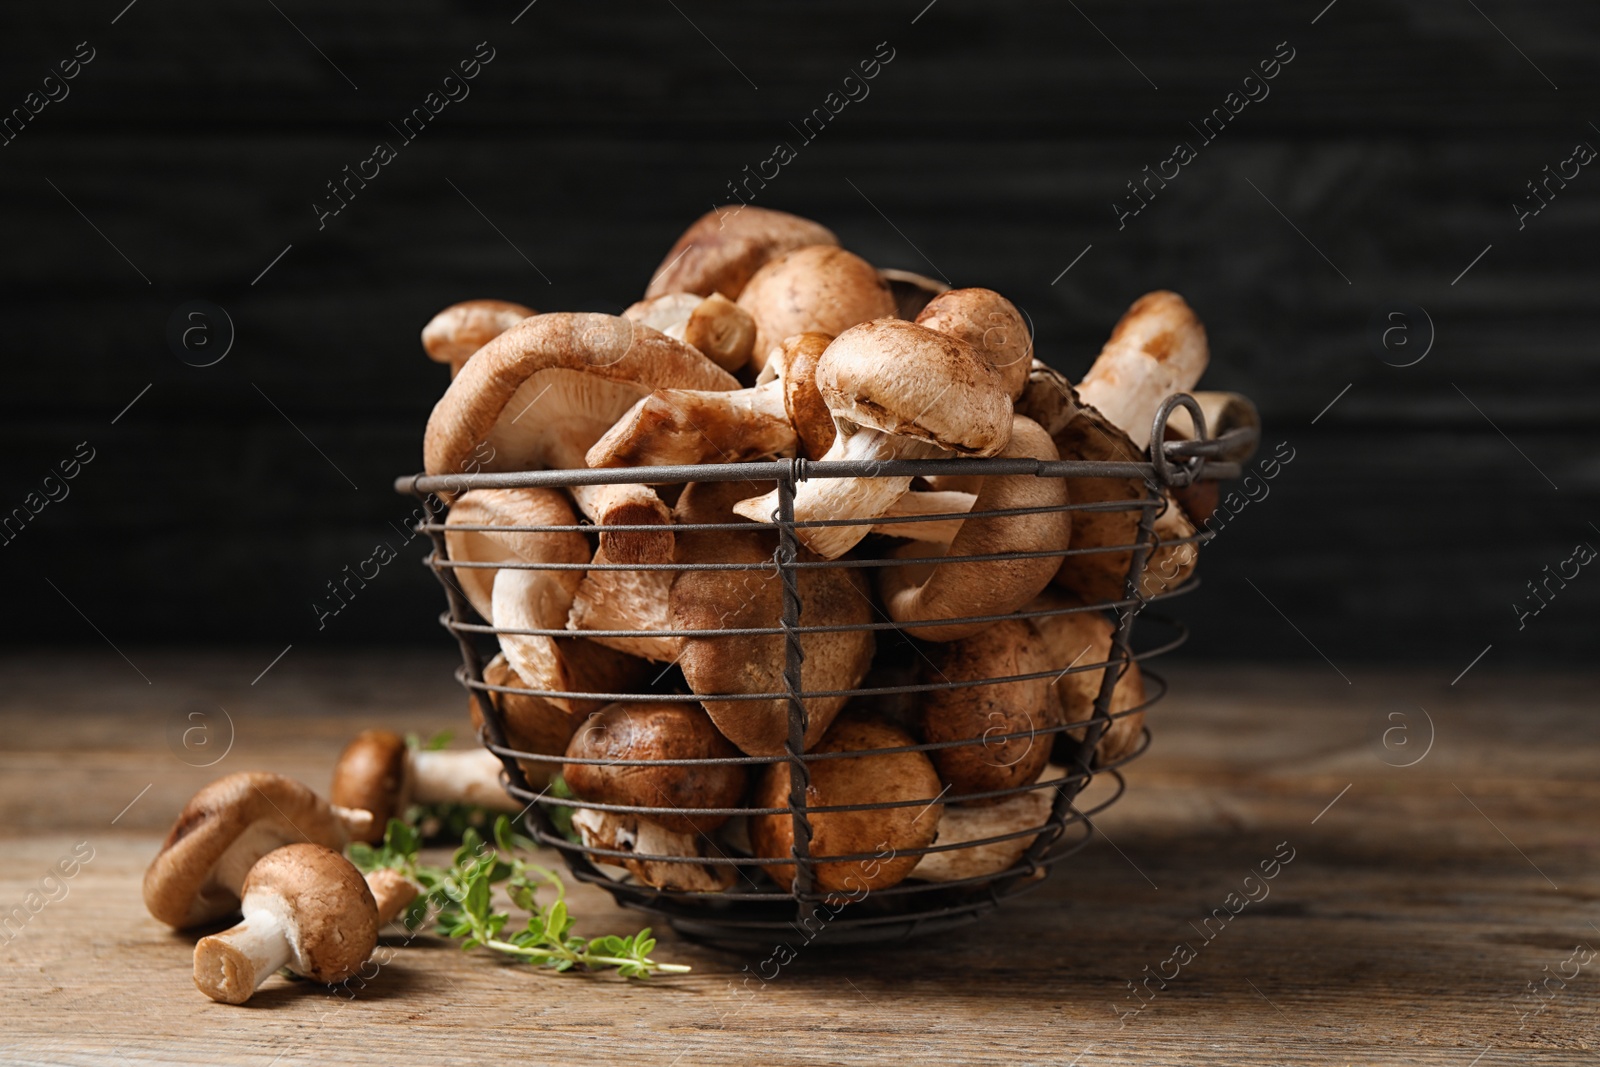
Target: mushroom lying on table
(713, 325)
(306, 908)
(515, 597)
(452, 336)
(225, 828)
(896, 391)
(543, 392)
(725, 247)
(883, 834)
(946, 588)
(380, 773)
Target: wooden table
(1420, 904)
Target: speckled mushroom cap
(325, 905)
(989, 323)
(453, 335)
(545, 390)
(820, 288)
(222, 831)
(910, 381)
(727, 245)
(371, 776)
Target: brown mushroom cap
(453, 335)
(991, 712)
(989, 323)
(712, 600)
(221, 832)
(371, 776)
(725, 247)
(802, 402)
(1083, 638)
(326, 903)
(951, 589)
(716, 326)
(630, 731)
(910, 381)
(531, 724)
(884, 833)
(1081, 432)
(820, 288)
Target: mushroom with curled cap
(896, 391)
(883, 835)
(713, 325)
(379, 772)
(724, 248)
(834, 659)
(945, 588)
(627, 737)
(1009, 724)
(225, 828)
(452, 336)
(489, 526)
(1157, 348)
(818, 289)
(305, 907)
(1080, 639)
(772, 418)
(543, 392)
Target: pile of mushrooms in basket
(758, 339)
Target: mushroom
(1158, 348)
(518, 597)
(714, 325)
(197, 876)
(1082, 639)
(545, 390)
(911, 290)
(1019, 819)
(989, 323)
(883, 834)
(628, 735)
(306, 908)
(686, 426)
(940, 515)
(727, 245)
(946, 589)
(380, 773)
(453, 335)
(530, 724)
(392, 892)
(684, 867)
(896, 391)
(1223, 413)
(817, 289)
(1081, 432)
(986, 714)
(718, 600)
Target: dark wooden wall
(991, 150)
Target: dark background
(989, 151)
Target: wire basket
(757, 910)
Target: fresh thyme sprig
(460, 897)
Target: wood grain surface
(1420, 902)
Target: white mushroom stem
(939, 502)
(233, 964)
(698, 426)
(1157, 349)
(532, 600)
(619, 832)
(459, 776)
(961, 823)
(819, 499)
(392, 892)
